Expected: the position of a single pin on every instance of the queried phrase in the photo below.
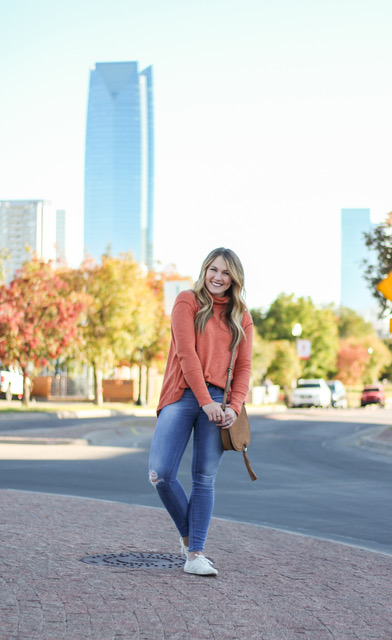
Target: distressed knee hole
(153, 478)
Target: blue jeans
(174, 428)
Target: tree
(379, 241)
(39, 319)
(379, 358)
(263, 354)
(285, 366)
(120, 317)
(352, 325)
(319, 325)
(155, 353)
(4, 256)
(352, 360)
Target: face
(218, 279)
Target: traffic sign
(385, 286)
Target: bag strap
(228, 380)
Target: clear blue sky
(270, 117)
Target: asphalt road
(313, 478)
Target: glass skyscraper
(119, 162)
(26, 224)
(355, 292)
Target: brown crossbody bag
(237, 437)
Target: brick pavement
(271, 585)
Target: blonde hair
(236, 306)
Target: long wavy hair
(236, 306)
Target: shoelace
(204, 560)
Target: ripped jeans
(174, 428)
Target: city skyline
(119, 162)
(263, 134)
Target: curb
(375, 442)
(39, 440)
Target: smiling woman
(208, 323)
(218, 278)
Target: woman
(207, 323)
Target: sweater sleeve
(184, 337)
(242, 368)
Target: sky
(270, 117)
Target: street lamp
(296, 330)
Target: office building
(61, 255)
(119, 162)
(27, 227)
(355, 292)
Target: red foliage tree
(39, 318)
(352, 360)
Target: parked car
(338, 394)
(11, 382)
(311, 393)
(373, 394)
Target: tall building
(355, 292)
(61, 254)
(119, 162)
(26, 225)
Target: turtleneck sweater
(196, 358)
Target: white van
(11, 382)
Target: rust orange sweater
(196, 358)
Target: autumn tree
(155, 353)
(352, 360)
(39, 319)
(120, 319)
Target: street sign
(385, 286)
(304, 349)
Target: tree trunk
(26, 388)
(147, 384)
(98, 392)
(139, 399)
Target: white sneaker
(184, 548)
(200, 566)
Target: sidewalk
(271, 585)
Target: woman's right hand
(214, 412)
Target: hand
(214, 412)
(230, 418)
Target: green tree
(319, 325)
(263, 354)
(352, 325)
(379, 263)
(285, 366)
(379, 358)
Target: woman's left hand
(230, 418)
